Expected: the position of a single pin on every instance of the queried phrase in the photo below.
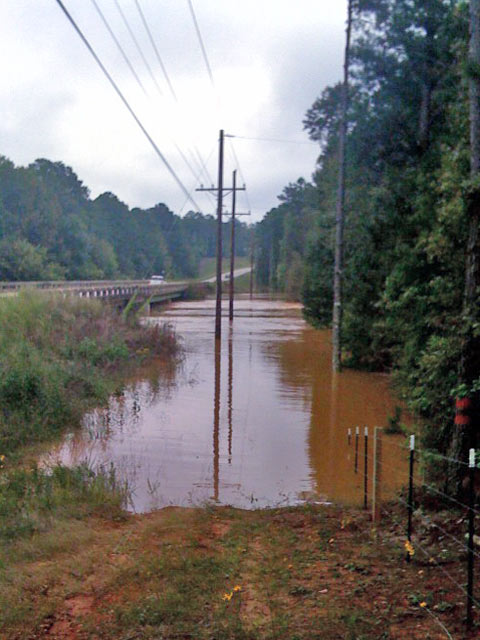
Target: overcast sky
(269, 59)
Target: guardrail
(97, 288)
(70, 284)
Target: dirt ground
(310, 572)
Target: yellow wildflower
(237, 588)
(409, 548)
(423, 604)
(227, 596)
(2, 458)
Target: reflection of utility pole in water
(230, 393)
(216, 420)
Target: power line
(237, 163)
(119, 46)
(314, 144)
(178, 149)
(202, 46)
(126, 103)
(152, 42)
(137, 45)
(196, 181)
(202, 165)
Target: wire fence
(422, 507)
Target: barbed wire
(434, 617)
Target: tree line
(51, 229)
(407, 212)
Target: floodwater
(255, 421)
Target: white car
(157, 280)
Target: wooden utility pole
(232, 244)
(252, 253)
(340, 212)
(218, 305)
(467, 419)
(220, 190)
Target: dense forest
(51, 229)
(408, 170)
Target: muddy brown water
(254, 422)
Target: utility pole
(232, 244)
(218, 306)
(252, 252)
(220, 190)
(340, 213)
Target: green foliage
(57, 358)
(30, 497)
(50, 229)
(409, 196)
(281, 240)
(394, 425)
(20, 260)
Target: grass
(242, 284)
(59, 357)
(224, 574)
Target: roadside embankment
(59, 357)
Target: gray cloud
(270, 58)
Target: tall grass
(60, 356)
(31, 498)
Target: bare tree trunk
(424, 120)
(427, 84)
(467, 420)
(340, 212)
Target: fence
(408, 459)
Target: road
(236, 274)
(107, 288)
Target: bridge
(115, 291)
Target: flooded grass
(74, 565)
(59, 357)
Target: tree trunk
(340, 212)
(467, 420)
(427, 84)
(424, 120)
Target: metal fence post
(377, 475)
(365, 470)
(410, 495)
(357, 433)
(471, 532)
